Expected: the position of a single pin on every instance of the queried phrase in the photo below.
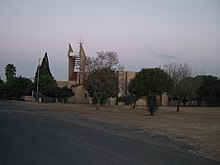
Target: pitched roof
(70, 48)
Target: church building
(76, 76)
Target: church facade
(76, 76)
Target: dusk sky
(144, 33)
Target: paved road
(33, 136)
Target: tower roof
(70, 48)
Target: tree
(134, 90)
(185, 90)
(44, 68)
(177, 72)
(153, 82)
(101, 77)
(17, 87)
(101, 85)
(47, 83)
(217, 91)
(10, 71)
(128, 100)
(2, 88)
(201, 88)
(209, 90)
(64, 93)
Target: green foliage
(217, 91)
(200, 88)
(64, 93)
(10, 71)
(135, 90)
(17, 87)
(179, 74)
(153, 82)
(102, 100)
(2, 88)
(101, 85)
(47, 83)
(209, 91)
(152, 104)
(101, 78)
(44, 68)
(128, 100)
(186, 88)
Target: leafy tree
(10, 71)
(101, 79)
(134, 90)
(47, 83)
(153, 82)
(201, 88)
(128, 100)
(101, 85)
(196, 85)
(2, 88)
(178, 72)
(185, 90)
(209, 91)
(217, 91)
(17, 87)
(64, 93)
(44, 68)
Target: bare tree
(101, 77)
(178, 72)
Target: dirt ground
(198, 128)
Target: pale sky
(144, 33)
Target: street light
(38, 76)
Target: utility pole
(38, 77)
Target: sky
(144, 33)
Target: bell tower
(71, 63)
(82, 57)
(76, 64)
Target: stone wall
(124, 77)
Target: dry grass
(194, 126)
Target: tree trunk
(178, 106)
(161, 96)
(152, 104)
(199, 102)
(152, 113)
(134, 104)
(98, 105)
